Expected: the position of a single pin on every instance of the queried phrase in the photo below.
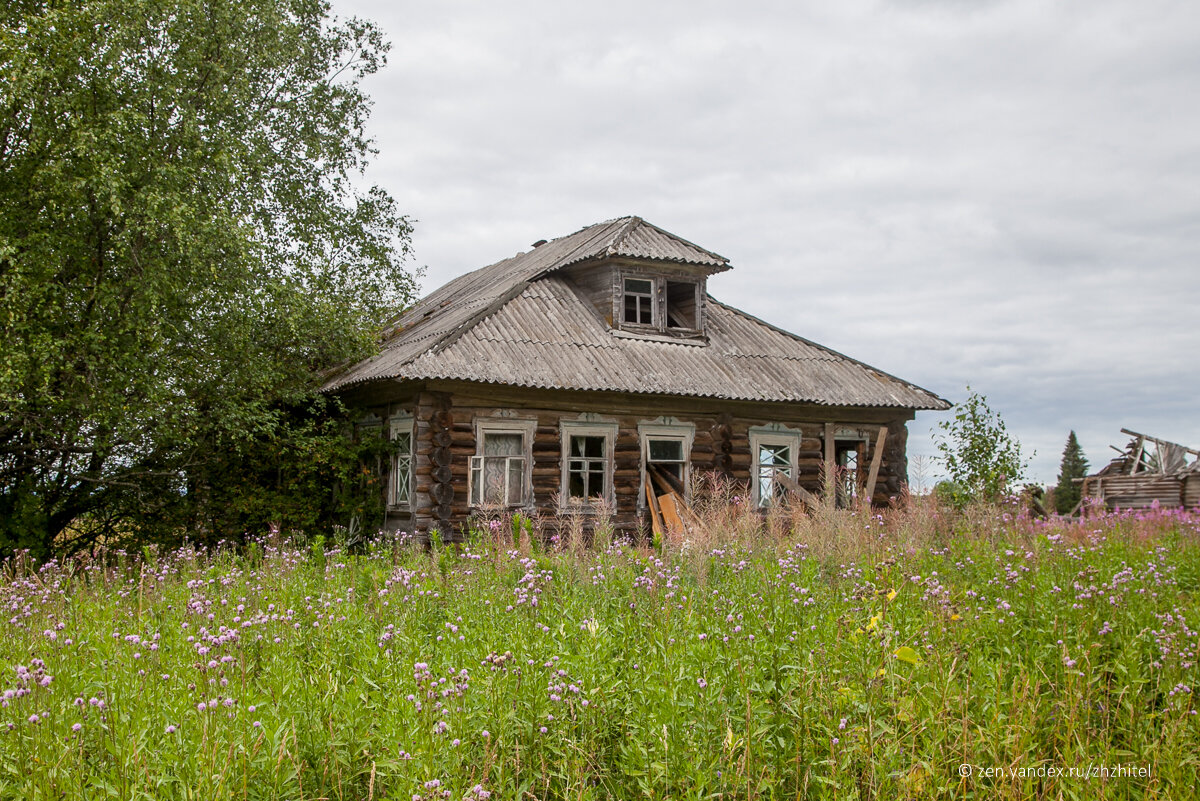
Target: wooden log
(876, 460)
(827, 475)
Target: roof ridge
(631, 223)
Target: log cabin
(594, 371)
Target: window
(666, 451)
(775, 449)
(587, 460)
(501, 473)
(639, 301)
(849, 455)
(682, 304)
(400, 427)
(660, 303)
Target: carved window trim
(587, 428)
(773, 435)
(400, 480)
(671, 430)
(503, 425)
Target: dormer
(649, 283)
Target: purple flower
(702, 682)
(171, 729)
(77, 727)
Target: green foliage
(182, 245)
(1074, 465)
(951, 495)
(982, 458)
(301, 671)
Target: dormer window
(683, 304)
(639, 301)
(659, 304)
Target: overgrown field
(855, 656)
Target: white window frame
(402, 465)
(526, 428)
(773, 434)
(587, 428)
(665, 429)
(653, 296)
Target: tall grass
(846, 654)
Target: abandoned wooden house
(595, 372)
(1149, 471)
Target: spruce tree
(1074, 465)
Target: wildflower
(76, 727)
(172, 729)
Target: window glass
(666, 450)
(498, 476)
(667, 456)
(586, 467)
(639, 301)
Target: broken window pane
(681, 305)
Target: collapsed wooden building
(595, 371)
(1148, 472)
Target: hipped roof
(520, 323)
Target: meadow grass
(842, 655)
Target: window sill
(693, 338)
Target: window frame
(587, 428)
(652, 296)
(861, 441)
(773, 434)
(401, 423)
(659, 308)
(668, 429)
(484, 426)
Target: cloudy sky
(999, 194)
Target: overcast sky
(999, 194)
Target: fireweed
(852, 654)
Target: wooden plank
(1158, 441)
(655, 516)
(670, 507)
(788, 483)
(876, 461)
(827, 479)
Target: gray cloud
(1003, 194)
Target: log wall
(444, 442)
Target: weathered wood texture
(444, 442)
(1142, 491)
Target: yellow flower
(874, 622)
(891, 595)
